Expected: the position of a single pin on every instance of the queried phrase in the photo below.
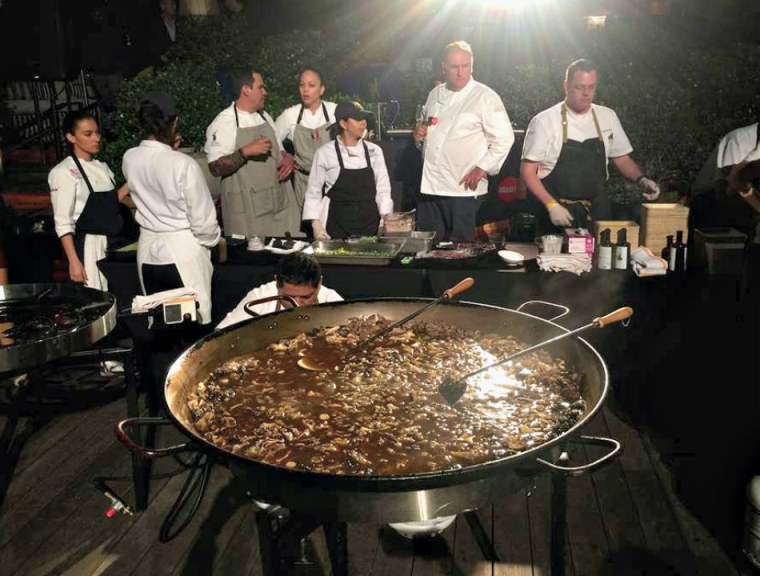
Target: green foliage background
(675, 95)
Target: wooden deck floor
(621, 520)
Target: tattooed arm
(227, 165)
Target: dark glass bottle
(666, 251)
(621, 251)
(677, 262)
(604, 256)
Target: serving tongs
(453, 389)
(317, 365)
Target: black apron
(100, 215)
(353, 209)
(578, 180)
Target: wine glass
(420, 114)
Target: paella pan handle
(614, 446)
(279, 297)
(122, 433)
(564, 309)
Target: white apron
(192, 260)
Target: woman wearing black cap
(349, 190)
(175, 212)
(85, 201)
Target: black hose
(197, 479)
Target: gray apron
(305, 144)
(253, 202)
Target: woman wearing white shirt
(349, 190)
(175, 212)
(306, 125)
(85, 201)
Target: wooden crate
(658, 221)
(614, 226)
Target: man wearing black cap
(349, 191)
(175, 212)
(242, 148)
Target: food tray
(355, 253)
(413, 241)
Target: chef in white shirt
(718, 196)
(85, 201)
(349, 190)
(297, 276)
(565, 154)
(305, 127)
(466, 137)
(177, 218)
(243, 148)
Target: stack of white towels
(645, 263)
(575, 263)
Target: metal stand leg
(336, 534)
(481, 537)
(559, 521)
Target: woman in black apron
(344, 201)
(85, 201)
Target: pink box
(579, 240)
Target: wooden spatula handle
(462, 286)
(617, 316)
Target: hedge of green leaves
(676, 96)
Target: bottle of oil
(621, 250)
(604, 256)
(677, 261)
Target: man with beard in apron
(242, 148)
(349, 189)
(305, 127)
(85, 201)
(565, 152)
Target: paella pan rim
(524, 460)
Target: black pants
(450, 217)
(166, 343)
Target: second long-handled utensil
(312, 363)
(453, 389)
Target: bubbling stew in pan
(378, 411)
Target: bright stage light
(514, 4)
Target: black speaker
(39, 38)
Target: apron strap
(237, 120)
(84, 174)
(337, 151)
(300, 115)
(563, 113)
(324, 111)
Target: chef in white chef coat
(177, 218)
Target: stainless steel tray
(356, 253)
(413, 241)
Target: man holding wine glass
(465, 135)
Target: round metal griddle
(43, 322)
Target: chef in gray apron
(248, 158)
(305, 144)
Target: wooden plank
(468, 558)
(435, 556)
(619, 514)
(708, 555)
(363, 544)
(540, 514)
(53, 533)
(241, 555)
(43, 481)
(395, 554)
(512, 538)
(585, 526)
(48, 438)
(661, 530)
